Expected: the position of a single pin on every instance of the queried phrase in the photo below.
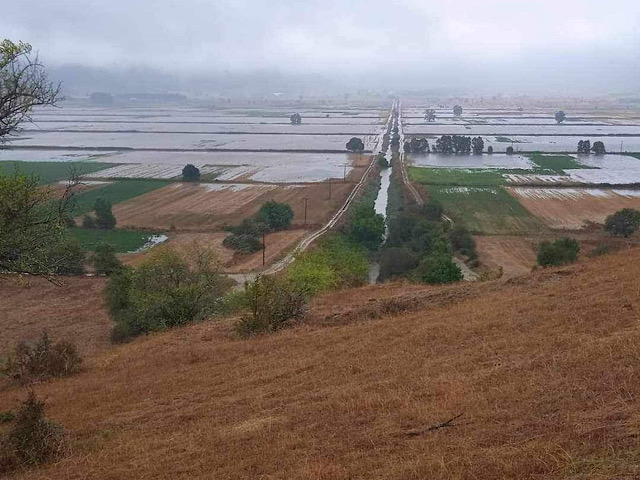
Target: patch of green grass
(556, 163)
(488, 210)
(634, 155)
(123, 240)
(50, 172)
(458, 176)
(115, 192)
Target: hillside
(543, 369)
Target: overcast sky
(402, 43)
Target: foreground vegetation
(50, 172)
(115, 192)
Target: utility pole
(305, 211)
(264, 248)
(344, 175)
(329, 189)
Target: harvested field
(516, 255)
(571, 208)
(544, 385)
(74, 311)
(277, 245)
(202, 207)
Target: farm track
(306, 242)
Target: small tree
(560, 116)
(105, 260)
(190, 173)
(559, 252)
(430, 115)
(509, 150)
(584, 146)
(367, 227)
(598, 148)
(477, 145)
(624, 222)
(277, 216)
(105, 219)
(438, 268)
(295, 119)
(355, 144)
(490, 150)
(457, 110)
(382, 161)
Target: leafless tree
(24, 84)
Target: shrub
(600, 250)
(490, 150)
(382, 161)
(395, 262)
(42, 359)
(355, 144)
(105, 260)
(624, 222)
(168, 289)
(250, 226)
(104, 216)
(438, 268)
(32, 440)
(433, 211)
(463, 242)
(7, 416)
(277, 216)
(274, 303)
(510, 150)
(88, 222)
(243, 243)
(367, 227)
(190, 173)
(559, 252)
(66, 257)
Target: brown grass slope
(544, 368)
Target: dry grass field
(516, 255)
(542, 371)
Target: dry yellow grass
(544, 368)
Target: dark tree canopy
(598, 148)
(457, 110)
(444, 144)
(561, 116)
(430, 115)
(104, 216)
(489, 149)
(477, 144)
(559, 252)
(584, 146)
(23, 85)
(416, 145)
(624, 222)
(510, 150)
(277, 216)
(355, 145)
(190, 173)
(295, 119)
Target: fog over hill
(256, 46)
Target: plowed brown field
(202, 207)
(573, 211)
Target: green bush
(624, 222)
(190, 173)
(105, 260)
(32, 440)
(463, 242)
(42, 359)
(277, 216)
(382, 161)
(250, 226)
(433, 211)
(560, 252)
(367, 228)
(7, 416)
(66, 257)
(438, 268)
(337, 262)
(274, 303)
(105, 219)
(243, 243)
(168, 289)
(396, 262)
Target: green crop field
(488, 210)
(556, 163)
(458, 176)
(49, 172)
(123, 240)
(115, 192)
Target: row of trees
(585, 147)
